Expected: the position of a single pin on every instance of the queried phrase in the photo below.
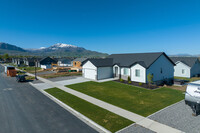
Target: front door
(116, 72)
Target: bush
(140, 84)
(121, 80)
(129, 82)
(129, 78)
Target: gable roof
(107, 62)
(47, 60)
(65, 60)
(80, 59)
(189, 61)
(144, 59)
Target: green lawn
(189, 79)
(138, 100)
(101, 116)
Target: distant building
(186, 66)
(64, 62)
(78, 62)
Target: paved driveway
(62, 81)
(23, 109)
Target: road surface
(23, 109)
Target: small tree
(150, 78)
(6, 56)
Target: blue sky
(111, 26)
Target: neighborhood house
(47, 62)
(136, 66)
(186, 66)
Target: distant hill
(57, 50)
(6, 46)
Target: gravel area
(178, 116)
(135, 128)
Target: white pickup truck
(192, 96)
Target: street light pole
(35, 70)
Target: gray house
(136, 66)
(186, 66)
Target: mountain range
(57, 50)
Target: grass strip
(107, 119)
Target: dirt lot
(63, 74)
(182, 88)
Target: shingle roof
(65, 60)
(127, 60)
(80, 59)
(144, 59)
(102, 62)
(190, 61)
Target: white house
(186, 66)
(64, 62)
(97, 69)
(46, 63)
(136, 66)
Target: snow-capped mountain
(57, 50)
(57, 46)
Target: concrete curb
(85, 119)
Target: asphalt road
(23, 109)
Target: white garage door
(90, 74)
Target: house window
(125, 71)
(161, 70)
(137, 73)
(183, 71)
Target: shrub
(150, 78)
(121, 80)
(129, 82)
(129, 78)
(140, 84)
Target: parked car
(192, 96)
(21, 78)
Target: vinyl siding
(142, 77)
(178, 70)
(195, 69)
(161, 63)
(104, 72)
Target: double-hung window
(125, 71)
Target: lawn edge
(77, 114)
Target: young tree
(150, 78)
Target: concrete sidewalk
(140, 120)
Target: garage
(89, 73)
(97, 69)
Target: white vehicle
(192, 96)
